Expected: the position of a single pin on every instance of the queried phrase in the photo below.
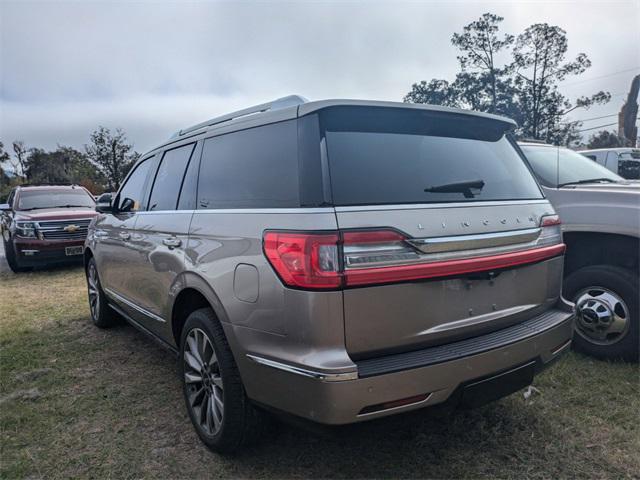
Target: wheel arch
(195, 294)
(594, 248)
(86, 256)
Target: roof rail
(532, 140)
(277, 104)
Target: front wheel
(607, 304)
(12, 259)
(220, 411)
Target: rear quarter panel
(299, 327)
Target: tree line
(513, 75)
(101, 166)
(517, 76)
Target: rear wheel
(101, 314)
(607, 303)
(220, 411)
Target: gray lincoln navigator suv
(336, 260)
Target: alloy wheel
(94, 296)
(603, 316)
(205, 391)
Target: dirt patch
(21, 395)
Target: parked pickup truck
(623, 161)
(43, 225)
(600, 213)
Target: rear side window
(254, 168)
(629, 169)
(394, 156)
(166, 187)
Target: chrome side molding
(129, 303)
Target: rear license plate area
(489, 389)
(69, 251)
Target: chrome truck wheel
(603, 316)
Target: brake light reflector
(304, 260)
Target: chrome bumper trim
(325, 377)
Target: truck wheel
(10, 254)
(607, 302)
(220, 411)
(101, 313)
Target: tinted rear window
(254, 168)
(390, 156)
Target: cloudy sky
(154, 67)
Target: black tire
(241, 423)
(624, 284)
(10, 254)
(102, 314)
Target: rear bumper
(428, 376)
(33, 252)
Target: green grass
(76, 401)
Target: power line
(619, 72)
(593, 118)
(600, 126)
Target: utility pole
(627, 128)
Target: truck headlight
(26, 229)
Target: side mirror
(127, 205)
(103, 203)
(4, 207)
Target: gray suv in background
(337, 261)
(600, 214)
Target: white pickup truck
(623, 161)
(600, 214)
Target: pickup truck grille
(64, 229)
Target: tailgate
(438, 309)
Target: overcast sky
(154, 67)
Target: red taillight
(304, 260)
(447, 268)
(354, 258)
(549, 220)
(363, 237)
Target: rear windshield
(37, 199)
(395, 156)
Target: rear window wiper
(589, 180)
(458, 187)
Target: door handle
(124, 236)
(172, 242)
